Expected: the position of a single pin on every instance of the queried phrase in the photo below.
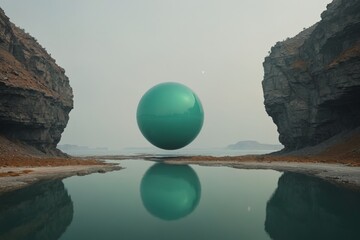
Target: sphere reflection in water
(170, 192)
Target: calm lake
(150, 200)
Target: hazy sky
(113, 51)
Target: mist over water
(216, 152)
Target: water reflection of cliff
(41, 211)
(303, 207)
(170, 192)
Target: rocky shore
(20, 172)
(339, 163)
(336, 160)
(345, 175)
(22, 165)
(20, 177)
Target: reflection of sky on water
(110, 206)
(230, 204)
(170, 192)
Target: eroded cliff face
(312, 81)
(36, 97)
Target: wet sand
(340, 174)
(341, 169)
(19, 172)
(336, 160)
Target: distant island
(254, 145)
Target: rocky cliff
(312, 81)
(36, 97)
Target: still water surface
(155, 201)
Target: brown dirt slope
(17, 154)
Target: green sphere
(170, 115)
(170, 192)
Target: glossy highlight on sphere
(170, 115)
(170, 192)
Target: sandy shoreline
(340, 174)
(21, 172)
(337, 161)
(343, 171)
(13, 178)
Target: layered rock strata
(312, 81)
(36, 97)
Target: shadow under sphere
(170, 192)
